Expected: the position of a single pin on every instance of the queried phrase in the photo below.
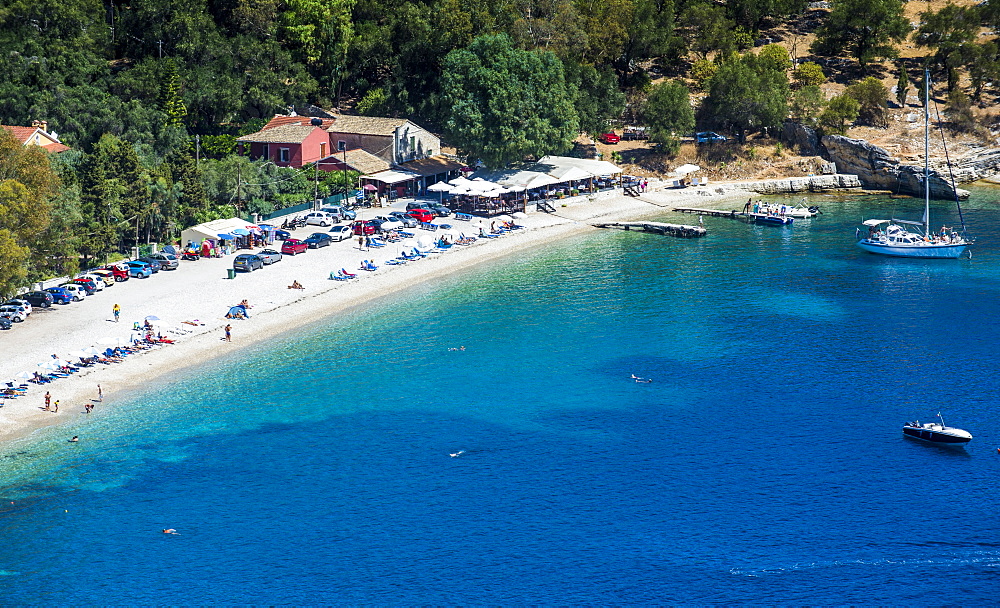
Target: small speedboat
(772, 220)
(936, 433)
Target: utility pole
(159, 43)
(315, 183)
(239, 188)
(197, 150)
(344, 200)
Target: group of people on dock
(765, 208)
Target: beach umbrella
(425, 241)
(91, 351)
(504, 218)
(370, 188)
(685, 169)
(152, 318)
(109, 341)
(50, 365)
(24, 375)
(78, 354)
(440, 187)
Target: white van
(341, 212)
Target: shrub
(807, 104)
(872, 98)
(702, 72)
(774, 57)
(839, 113)
(809, 74)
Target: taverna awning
(392, 176)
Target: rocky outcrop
(802, 138)
(979, 165)
(795, 185)
(879, 170)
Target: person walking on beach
(117, 310)
(56, 410)
(361, 243)
(100, 394)
(48, 400)
(228, 334)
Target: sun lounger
(336, 276)
(396, 262)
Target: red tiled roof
(281, 121)
(21, 133)
(57, 147)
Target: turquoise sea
(764, 463)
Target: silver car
(167, 261)
(269, 256)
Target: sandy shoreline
(200, 291)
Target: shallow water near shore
(763, 464)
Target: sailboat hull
(916, 250)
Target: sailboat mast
(927, 151)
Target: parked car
(415, 205)
(40, 299)
(167, 261)
(407, 221)
(105, 275)
(343, 213)
(5, 323)
(120, 272)
(93, 278)
(422, 215)
(78, 292)
(440, 210)
(154, 266)
(14, 313)
(320, 218)
(391, 224)
(60, 295)
(88, 286)
(293, 247)
(248, 262)
(25, 304)
(609, 138)
(364, 228)
(24, 310)
(98, 280)
(708, 137)
(318, 239)
(139, 269)
(339, 233)
(269, 256)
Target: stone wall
(795, 185)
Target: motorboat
(771, 219)
(910, 239)
(936, 433)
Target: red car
(293, 247)
(422, 215)
(120, 274)
(610, 138)
(364, 228)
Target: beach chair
(395, 262)
(336, 276)
(349, 275)
(376, 243)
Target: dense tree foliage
(669, 114)
(865, 29)
(747, 94)
(505, 103)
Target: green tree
(596, 96)
(984, 69)
(702, 71)
(28, 185)
(707, 29)
(807, 104)
(841, 112)
(746, 95)
(872, 97)
(667, 112)
(902, 86)
(867, 29)
(809, 74)
(952, 33)
(170, 96)
(774, 57)
(505, 104)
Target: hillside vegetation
(130, 84)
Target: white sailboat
(903, 238)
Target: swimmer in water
(457, 454)
(644, 380)
(169, 531)
(74, 439)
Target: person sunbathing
(296, 285)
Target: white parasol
(685, 169)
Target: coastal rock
(879, 170)
(801, 137)
(795, 185)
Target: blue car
(139, 269)
(60, 295)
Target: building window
(341, 145)
(266, 151)
(283, 155)
(322, 150)
(413, 144)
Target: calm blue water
(764, 463)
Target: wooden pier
(708, 212)
(677, 230)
